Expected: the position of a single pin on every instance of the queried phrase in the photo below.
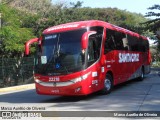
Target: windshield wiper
(55, 58)
(50, 60)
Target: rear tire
(108, 84)
(142, 75)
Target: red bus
(83, 57)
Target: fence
(16, 71)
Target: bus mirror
(84, 40)
(28, 43)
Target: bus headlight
(79, 79)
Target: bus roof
(72, 26)
(84, 24)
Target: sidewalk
(17, 88)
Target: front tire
(108, 84)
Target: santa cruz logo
(128, 57)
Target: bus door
(93, 56)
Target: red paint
(121, 71)
(84, 42)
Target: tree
(76, 5)
(34, 16)
(31, 6)
(154, 25)
(12, 34)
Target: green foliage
(154, 24)
(22, 20)
(31, 6)
(13, 35)
(113, 15)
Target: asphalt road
(131, 96)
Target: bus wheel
(108, 84)
(142, 75)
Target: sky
(137, 6)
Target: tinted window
(133, 43)
(120, 41)
(115, 41)
(61, 53)
(138, 44)
(94, 47)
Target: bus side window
(125, 43)
(93, 51)
(134, 43)
(109, 42)
(119, 36)
(94, 45)
(115, 41)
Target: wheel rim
(107, 84)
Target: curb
(17, 88)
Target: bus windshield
(60, 53)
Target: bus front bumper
(75, 89)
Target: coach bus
(83, 57)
